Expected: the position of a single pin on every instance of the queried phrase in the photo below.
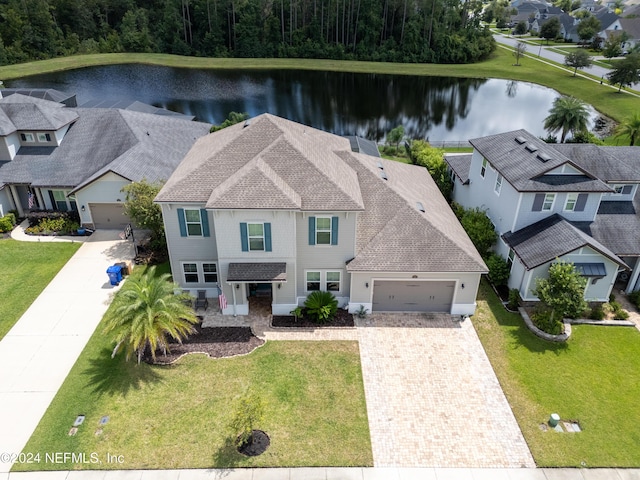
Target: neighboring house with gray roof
(274, 208)
(61, 158)
(575, 202)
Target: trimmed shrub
(597, 313)
(621, 315)
(498, 269)
(6, 225)
(321, 306)
(543, 319)
(11, 216)
(615, 306)
(514, 299)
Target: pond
(435, 108)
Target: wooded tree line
(437, 31)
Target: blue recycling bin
(115, 274)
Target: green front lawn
(27, 267)
(593, 379)
(177, 416)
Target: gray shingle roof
(43, 93)
(27, 113)
(257, 272)
(524, 169)
(611, 164)
(133, 145)
(550, 238)
(275, 163)
(362, 145)
(460, 164)
(294, 157)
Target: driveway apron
(39, 351)
(433, 399)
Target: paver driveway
(433, 399)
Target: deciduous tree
(577, 60)
(139, 206)
(626, 72)
(521, 47)
(550, 29)
(563, 291)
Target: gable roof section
(543, 241)
(44, 94)
(525, 169)
(610, 164)
(460, 164)
(300, 160)
(394, 235)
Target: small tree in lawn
(248, 414)
(550, 29)
(612, 47)
(626, 72)
(521, 47)
(395, 136)
(563, 292)
(521, 28)
(588, 28)
(577, 60)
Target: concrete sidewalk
(328, 473)
(39, 351)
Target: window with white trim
(44, 137)
(510, 258)
(549, 198)
(27, 137)
(313, 281)
(570, 204)
(190, 271)
(325, 280)
(498, 185)
(200, 272)
(193, 222)
(483, 169)
(255, 234)
(323, 230)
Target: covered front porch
(256, 288)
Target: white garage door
(412, 296)
(108, 216)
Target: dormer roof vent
(521, 140)
(419, 206)
(543, 157)
(531, 148)
(383, 175)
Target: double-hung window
(193, 222)
(323, 230)
(483, 169)
(190, 271)
(44, 137)
(256, 237)
(498, 185)
(27, 137)
(570, 204)
(200, 272)
(325, 280)
(210, 272)
(510, 258)
(547, 204)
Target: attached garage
(412, 296)
(108, 216)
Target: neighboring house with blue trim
(574, 202)
(277, 209)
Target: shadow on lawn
(115, 375)
(227, 458)
(520, 335)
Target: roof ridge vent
(383, 175)
(543, 157)
(521, 139)
(420, 207)
(531, 148)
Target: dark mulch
(259, 444)
(216, 342)
(342, 319)
(503, 292)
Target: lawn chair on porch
(201, 300)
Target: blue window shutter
(244, 238)
(205, 222)
(267, 237)
(181, 221)
(334, 230)
(312, 230)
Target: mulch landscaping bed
(258, 446)
(342, 319)
(216, 342)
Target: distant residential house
(569, 27)
(277, 210)
(573, 202)
(62, 158)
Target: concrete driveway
(39, 351)
(433, 399)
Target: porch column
(16, 200)
(233, 294)
(634, 276)
(39, 197)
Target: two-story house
(62, 158)
(275, 208)
(574, 202)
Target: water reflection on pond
(438, 108)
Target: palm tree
(567, 114)
(147, 314)
(629, 128)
